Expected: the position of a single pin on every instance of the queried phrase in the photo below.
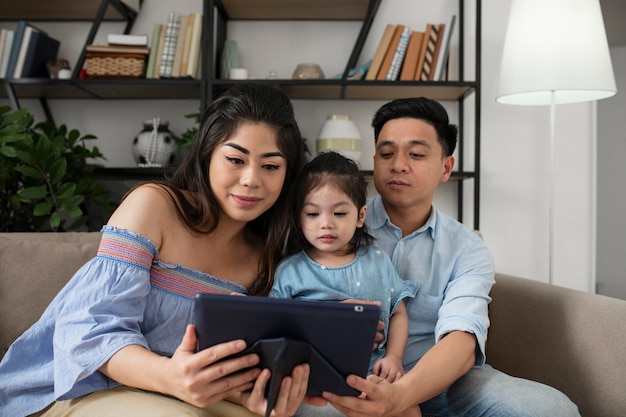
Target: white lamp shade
(555, 46)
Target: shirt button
(401, 243)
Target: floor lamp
(555, 52)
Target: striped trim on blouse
(136, 250)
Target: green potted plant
(184, 141)
(45, 175)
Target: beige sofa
(571, 340)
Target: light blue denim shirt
(370, 276)
(454, 270)
(123, 296)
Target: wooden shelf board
(389, 90)
(128, 88)
(104, 88)
(296, 9)
(142, 88)
(47, 10)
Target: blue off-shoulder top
(123, 296)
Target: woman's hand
(203, 378)
(292, 391)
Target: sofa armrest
(568, 339)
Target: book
(391, 51)
(6, 52)
(422, 54)
(127, 39)
(381, 50)
(440, 30)
(429, 51)
(42, 48)
(157, 63)
(445, 47)
(154, 47)
(398, 57)
(119, 49)
(194, 47)
(16, 45)
(412, 56)
(180, 46)
(3, 34)
(185, 59)
(169, 45)
(23, 48)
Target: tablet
(335, 338)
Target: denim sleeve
(466, 298)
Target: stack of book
(25, 51)
(410, 55)
(175, 47)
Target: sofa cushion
(33, 268)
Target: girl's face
(247, 172)
(329, 219)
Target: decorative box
(112, 61)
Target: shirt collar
(378, 217)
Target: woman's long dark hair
(198, 208)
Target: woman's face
(247, 172)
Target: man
(445, 355)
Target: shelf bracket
(372, 8)
(15, 104)
(127, 13)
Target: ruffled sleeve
(100, 311)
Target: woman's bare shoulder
(145, 210)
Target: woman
(111, 339)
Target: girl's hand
(203, 378)
(388, 368)
(292, 391)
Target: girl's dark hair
(328, 168)
(198, 208)
(421, 108)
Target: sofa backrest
(33, 268)
(571, 340)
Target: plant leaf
(42, 209)
(76, 212)
(58, 170)
(33, 193)
(8, 151)
(55, 221)
(66, 190)
(28, 171)
(68, 204)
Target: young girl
(116, 340)
(333, 257)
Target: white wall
(515, 140)
(611, 262)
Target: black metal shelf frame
(209, 86)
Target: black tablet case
(336, 339)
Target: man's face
(409, 164)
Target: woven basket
(102, 65)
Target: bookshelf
(461, 91)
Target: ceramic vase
(308, 71)
(154, 146)
(340, 134)
(230, 58)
